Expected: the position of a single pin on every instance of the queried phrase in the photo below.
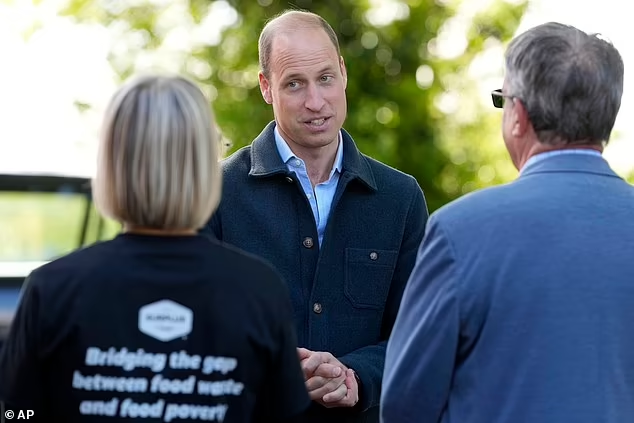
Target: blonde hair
(158, 156)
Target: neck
(140, 230)
(319, 161)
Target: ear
(344, 72)
(521, 121)
(265, 88)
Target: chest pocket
(368, 276)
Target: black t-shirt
(169, 329)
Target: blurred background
(420, 74)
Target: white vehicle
(42, 216)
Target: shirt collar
(265, 160)
(545, 155)
(287, 154)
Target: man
(520, 306)
(341, 228)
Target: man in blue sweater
(521, 304)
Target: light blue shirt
(543, 156)
(321, 197)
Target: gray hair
(570, 83)
(158, 156)
(289, 21)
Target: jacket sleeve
(422, 350)
(368, 362)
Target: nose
(314, 98)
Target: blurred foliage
(410, 104)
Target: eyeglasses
(498, 98)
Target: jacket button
(289, 179)
(374, 255)
(317, 308)
(308, 242)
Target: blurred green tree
(416, 73)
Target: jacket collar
(266, 160)
(566, 163)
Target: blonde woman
(159, 323)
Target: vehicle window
(40, 226)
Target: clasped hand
(328, 381)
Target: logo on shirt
(165, 320)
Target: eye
(327, 78)
(293, 84)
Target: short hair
(290, 21)
(158, 164)
(570, 82)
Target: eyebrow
(296, 75)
